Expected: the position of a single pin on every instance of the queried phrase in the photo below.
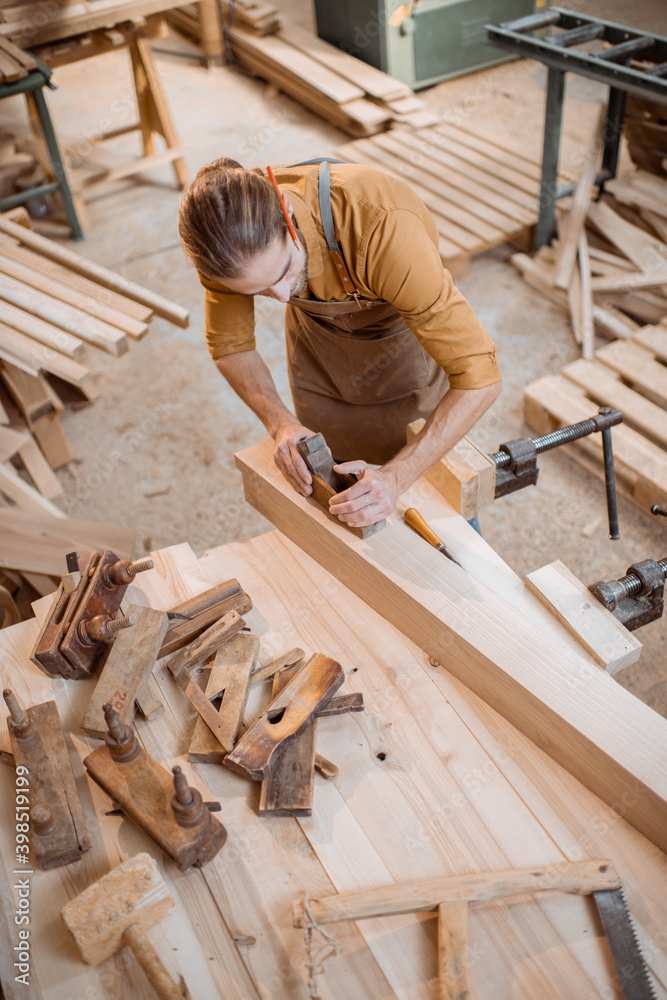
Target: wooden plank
(641, 466)
(372, 81)
(645, 251)
(629, 282)
(453, 949)
(72, 296)
(569, 240)
(603, 384)
(48, 431)
(24, 495)
(587, 319)
(596, 628)
(654, 338)
(288, 791)
(101, 296)
(273, 50)
(465, 476)
(45, 333)
(69, 318)
(38, 542)
(470, 136)
(459, 621)
(27, 354)
(126, 669)
(612, 321)
(53, 251)
(10, 442)
(39, 470)
(230, 676)
(637, 366)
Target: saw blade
(630, 966)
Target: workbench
(432, 782)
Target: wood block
(453, 949)
(127, 668)
(535, 681)
(39, 470)
(465, 476)
(25, 496)
(286, 717)
(10, 442)
(289, 789)
(207, 643)
(230, 676)
(229, 597)
(51, 785)
(596, 628)
(51, 439)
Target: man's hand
(370, 500)
(288, 459)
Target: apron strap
(333, 245)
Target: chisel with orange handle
(416, 521)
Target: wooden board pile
(27, 23)
(346, 91)
(608, 267)
(262, 18)
(14, 62)
(54, 307)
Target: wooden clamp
(450, 898)
(163, 804)
(201, 612)
(292, 711)
(326, 482)
(116, 911)
(128, 666)
(80, 621)
(59, 835)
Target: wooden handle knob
(149, 960)
(416, 521)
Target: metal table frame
(609, 66)
(33, 84)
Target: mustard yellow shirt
(390, 245)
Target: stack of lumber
(608, 267)
(432, 782)
(55, 306)
(347, 92)
(14, 62)
(631, 376)
(262, 18)
(32, 22)
(479, 193)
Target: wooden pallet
(630, 375)
(479, 193)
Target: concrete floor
(155, 450)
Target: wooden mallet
(116, 911)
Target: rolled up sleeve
(403, 267)
(229, 321)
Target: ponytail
(226, 216)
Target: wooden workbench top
(432, 782)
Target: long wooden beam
(598, 731)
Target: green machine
(422, 42)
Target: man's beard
(301, 283)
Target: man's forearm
(455, 414)
(250, 379)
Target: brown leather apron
(358, 374)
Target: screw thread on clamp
(19, 716)
(118, 624)
(140, 566)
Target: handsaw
(450, 898)
(628, 959)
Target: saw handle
(416, 521)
